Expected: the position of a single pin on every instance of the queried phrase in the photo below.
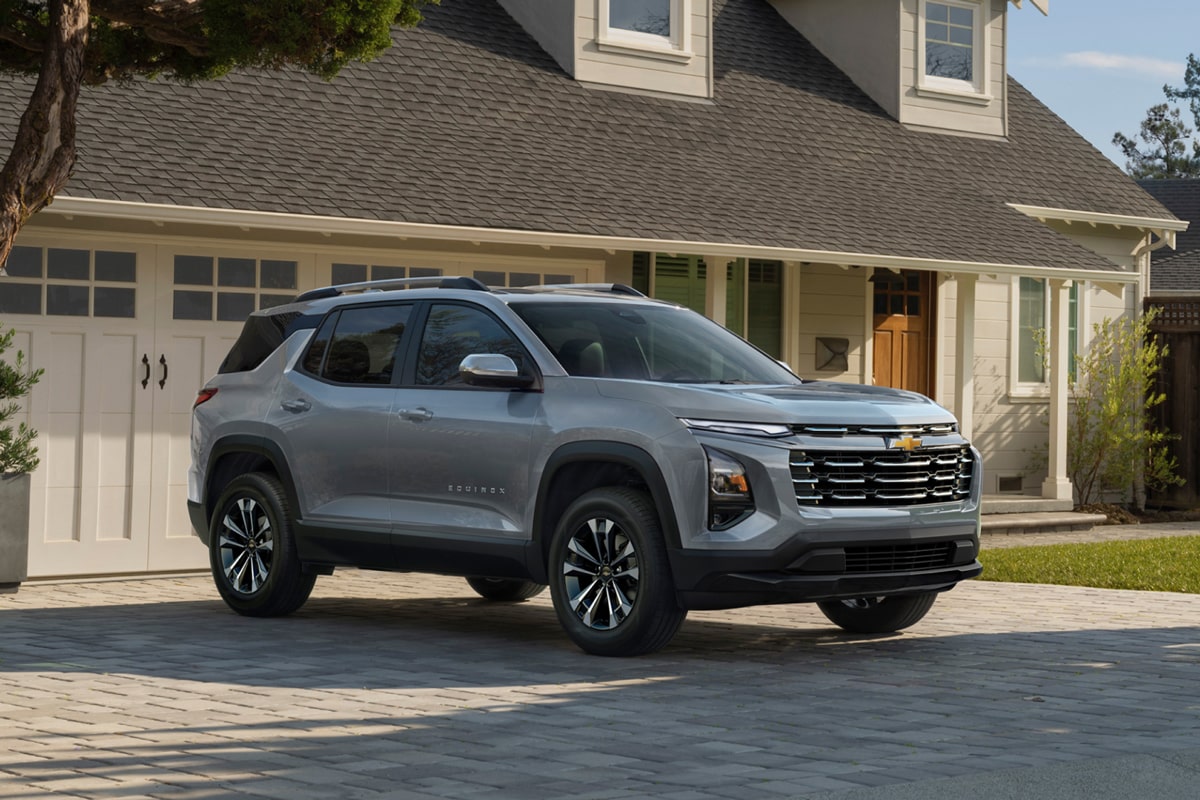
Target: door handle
(418, 414)
(146, 364)
(162, 359)
(296, 406)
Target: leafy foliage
(1166, 155)
(17, 450)
(1112, 441)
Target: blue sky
(1099, 64)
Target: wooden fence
(1178, 327)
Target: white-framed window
(655, 28)
(1030, 320)
(952, 56)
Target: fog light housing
(729, 497)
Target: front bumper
(810, 569)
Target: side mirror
(493, 370)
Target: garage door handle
(146, 364)
(162, 359)
(296, 406)
(416, 415)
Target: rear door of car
(333, 410)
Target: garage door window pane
(272, 300)
(277, 275)
(490, 278)
(383, 273)
(21, 298)
(559, 279)
(25, 262)
(116, 266)
(193, 305)
(235, 272)
(424, 272)
(67, 301)
(71, 265)
(110, 301)
(193, 271)
(349, 273)
(234, 307)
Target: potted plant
(18, 458)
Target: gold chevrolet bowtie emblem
(907, 443)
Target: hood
(813, 402)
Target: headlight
(729, 497)
(767, 429)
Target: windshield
(647, 342)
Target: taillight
(204, 396)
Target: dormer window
(952, 49)
(653, 28)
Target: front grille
(899, 557)
(882, 477)
(932, 429)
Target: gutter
(161, 214)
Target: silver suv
(636, 457)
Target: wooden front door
(903, 305)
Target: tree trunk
(43, 153)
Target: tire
(609, 575)
(258, 574)
(511, 590)
(878, 614)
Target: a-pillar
(1057, 485)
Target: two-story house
(856, 187)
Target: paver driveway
(408, 686)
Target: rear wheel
(510, 590)
(253, 552)
(609, 575)
(878, 614)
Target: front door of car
(461, 455)
(333, 410)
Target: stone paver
(407, 686)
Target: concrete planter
(14, 530)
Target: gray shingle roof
(1178, 269)
(466, 121)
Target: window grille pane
(524, 279)
(235, 272)
(961, 16)
(424, 272)
(193, 271)
(272, 300)
(939, 12)
(71, 265)
(192, 305)
(557, 279)
(21, 298)
(1031, 321)
(277, 274)
(643, 16)
(349, 273)
(111, 301)
(116, 266)
(381, 273)
(234, 306)
(490, 278)
(25, 262)
(68, 301)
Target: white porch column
(964, 352)
(714, 287)
(791, 314)
(1057, 485)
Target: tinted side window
(454, 332)
(363, 346)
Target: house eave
(161, 213)
(1165, 228)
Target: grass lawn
(1171, 564)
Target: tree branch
(21, 39)
(178, 23)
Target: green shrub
(18, 453)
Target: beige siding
(929, 110)
(551, 24)
(831, 303)
(862, 38)
(646, 72)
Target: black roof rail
(441, 282)
(613, 288)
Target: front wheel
(505, 590)
(253, 552)
(878, 614)
(609, 575)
